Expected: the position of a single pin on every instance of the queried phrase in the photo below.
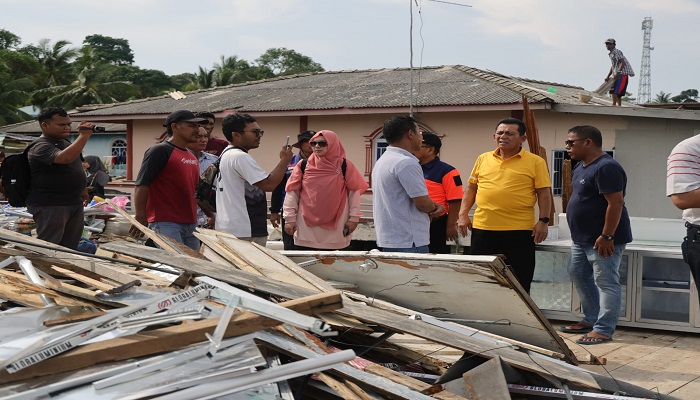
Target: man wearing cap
(214, 145)
(278, 194)
(165, 186)
(444, 187)
(621, 70)
(240, 198)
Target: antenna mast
(644, 93)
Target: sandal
(588, 340)
(578, 327)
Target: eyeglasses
(570, 143)
(257, 132)
(319, 144)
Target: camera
(98, 128)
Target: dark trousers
(438, 236)
(62, 225)
(287, 239)
(517, 246)
(691, 250)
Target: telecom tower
(644, 93)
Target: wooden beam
(167, 339)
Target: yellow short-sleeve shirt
(506, 194)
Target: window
(118, 158)
(558, 158)
(380, 146)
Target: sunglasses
(571, 142)
(319, 144)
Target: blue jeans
(414, 249)
(597, 281)
(182, 233)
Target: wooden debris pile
(237, 318)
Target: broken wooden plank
(217, 271)
(339, 387)
(78, 262)
(82, 278)
(247, 255)
(144, 275)
(17, 288)
(144, 229)
(167, 339)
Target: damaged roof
(358, 89)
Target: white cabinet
(657, 288)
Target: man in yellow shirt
(506, 184)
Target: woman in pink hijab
(322, 205)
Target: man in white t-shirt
(240, 198)
(683, 186)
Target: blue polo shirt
(586, 209)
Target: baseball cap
(432, 140)
(610, 40)
(304, 137)
(182, 116)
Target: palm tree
(231, 70)
(205, 78)
(662, 97)
(13, 94)
(91, 86)
(56, 60)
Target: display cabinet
(658, 291)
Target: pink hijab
(324, 191)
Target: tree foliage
(93, 85)
(55, 59)
(8, 40)
(52, 73)
(686, 96)
(283, 61)
(662, 97)
(110, 50)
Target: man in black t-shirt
(58, 190)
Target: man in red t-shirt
(164, 193)
(215, 145)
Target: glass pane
(669, 273)
(665, 305)
(551, 288)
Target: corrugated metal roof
(379, 88)
(32, 127)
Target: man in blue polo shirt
(600, 230)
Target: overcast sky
(550, 40)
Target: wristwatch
(545, 220)
(606, 237)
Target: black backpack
(16, 176)
(206, 186)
